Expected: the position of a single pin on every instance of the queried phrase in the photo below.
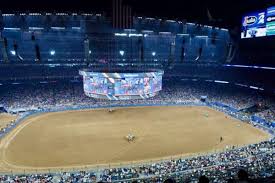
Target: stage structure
(116, 85)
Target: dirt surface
(96, 137)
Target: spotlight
(153, 53)
(52, 52)
(121, 52)
(90, 51)
(13, 52)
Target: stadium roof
(226, 13)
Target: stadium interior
(124, 93)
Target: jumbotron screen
(259, 24)
(124, 86)
(121, 85)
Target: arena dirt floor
(89, 138)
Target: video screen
(157, 83)
(122, 86)
(253, 25)
(96, 85)
(129, 86)
(270, 21)
(259, 24)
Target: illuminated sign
(259, 24)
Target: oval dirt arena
(93, 137)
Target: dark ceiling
(226, 12)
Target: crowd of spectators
(257, 159)
(268, 114)
(68, 94)
(219, 167)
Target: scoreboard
(121, 86)
(259, 24)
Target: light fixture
(13, 52)
(52, 52)
(121, 52)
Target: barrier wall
(263, 121)
(255, 120)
